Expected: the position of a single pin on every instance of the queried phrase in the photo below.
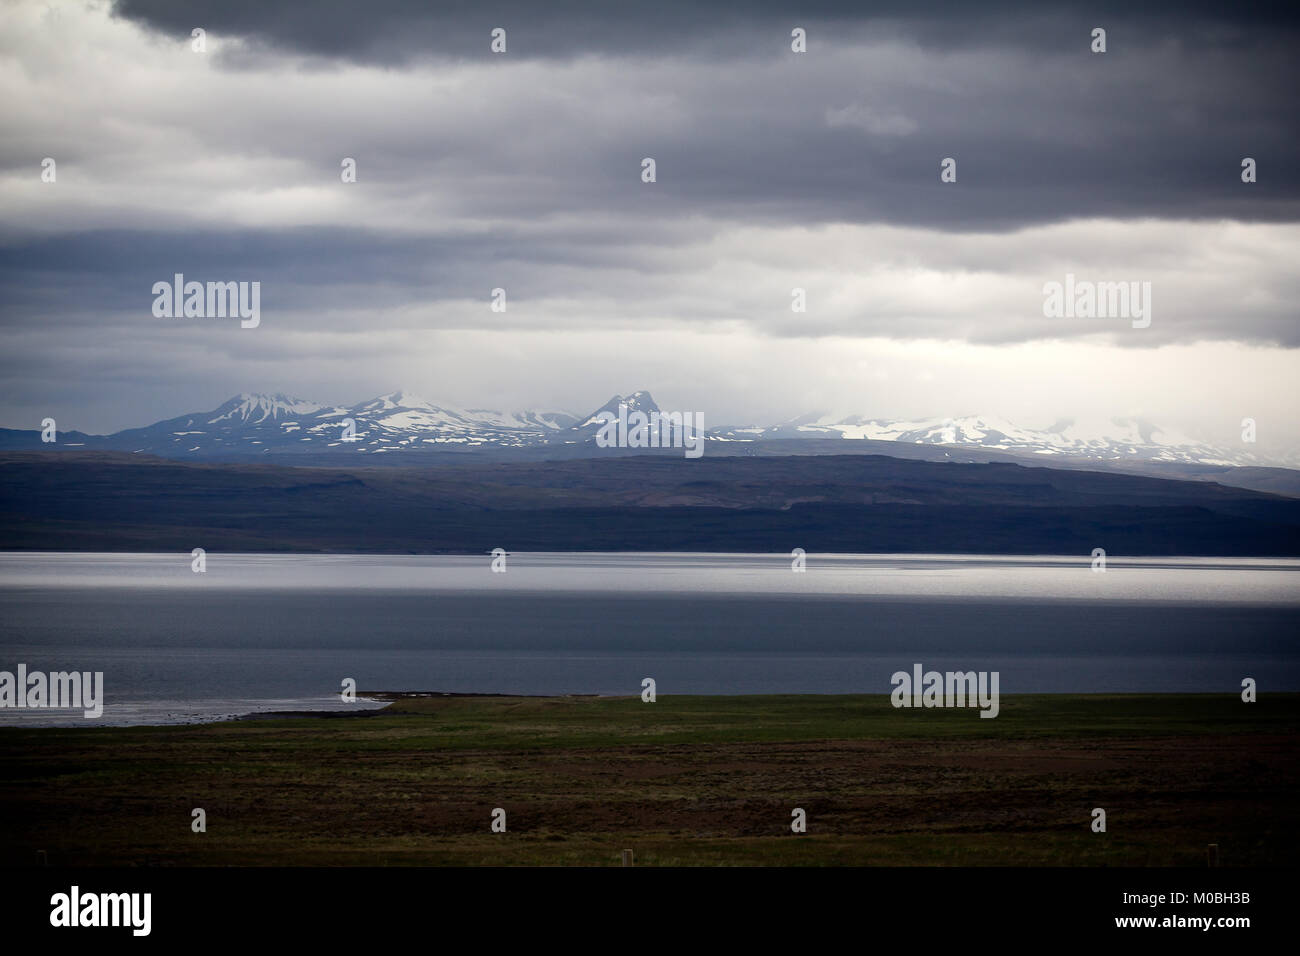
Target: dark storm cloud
(391, 30)
(1043, 130)
(301, 270)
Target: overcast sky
(775, 170)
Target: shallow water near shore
(257, 633)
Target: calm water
(274, 632)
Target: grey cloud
(854, 136)
(400, 30)
(523, 171)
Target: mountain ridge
(253, 424)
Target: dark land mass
(1275, 480)
(682, 781)
(110, 501)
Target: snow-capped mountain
(255, 409)
(242, 423)
(1112, 441)
(252, 425)
(401, 420)
(586, 429)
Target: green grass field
(682, 781)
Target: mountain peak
(259, 406)
(641, 401)
(403, 398)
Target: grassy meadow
(681, 781)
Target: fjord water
(280, 632)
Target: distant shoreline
(390, 696)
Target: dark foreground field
(682, 781)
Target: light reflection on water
(280, 632)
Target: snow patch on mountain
(1112, 440)
(253, 407)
